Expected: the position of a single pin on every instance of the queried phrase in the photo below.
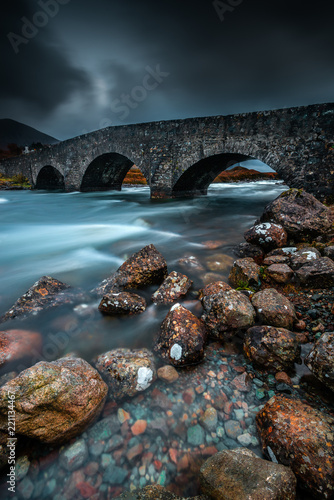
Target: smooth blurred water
(81, 238)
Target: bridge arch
(197, 178)
(50, 178)
(106, 172)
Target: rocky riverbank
(14, 183)
(220, 386)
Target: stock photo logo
(126, 102)
(223, 7)
(30, 27)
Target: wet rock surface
(267, 235)
(17, 344)
(213, 288)
(301, 437)
(182, 338)
(240, 474)
(146, 267)
(329, 252)
(126, 371)
(276, 259)
(219, 262)
(54, 401)
(303, 217)
(155, 493)
(122, 303)
(274, 309)
(303, 256)
(190, 262)
(176, 285)
(45, 293)
(321, 359)
(168, 374)
(245, 273)
(270, 348)
(248, 250)
(226, 312)
(317, 273)
(280, 273)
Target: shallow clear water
(81, 238)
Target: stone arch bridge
(182, 157)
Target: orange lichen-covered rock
(46, 292)
(182, 337)
(54, 401)
(241, 475)
(226, 312)
(146, 267)
(126, 371)
(18, 344)
(297, 435)
(122, 303)
(213, 288)
(176, 285)
(274, 309)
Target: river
(82, 238)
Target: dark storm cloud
(262, 55)
(38, 74)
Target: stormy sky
(72, 66)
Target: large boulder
(321, 359)
(317, 273)
(301, 437)
(301, 214)
(176, 285)
(126, 371)
(182, 337)
(146, 267)
(274, 309)
(54, 401)
(18, 344)
(267, 235)
(226, 312)
(239, 474)
(245, 273)
(272, 349)
(45, 293)
(122, 303)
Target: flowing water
(82, 238)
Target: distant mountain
(15, 132)
(238, 174)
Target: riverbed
(82, 238)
